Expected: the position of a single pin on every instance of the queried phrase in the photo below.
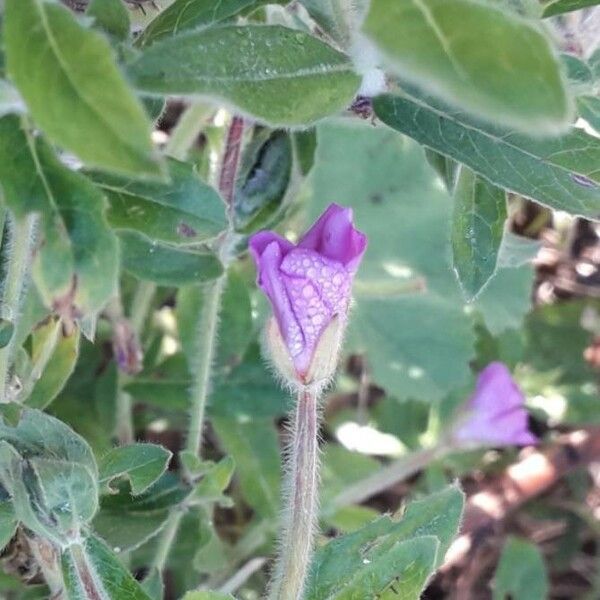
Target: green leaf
(364, 563)
(235, 329)
(589, 109)
(68, 79)
(183, 15)
(445, 167)
(38, 434)
(477, 230)
(50, 474)
(69, 491)
(8, 522)
(7, 330)
(558, 7)
(277, 75)
(91, 570)
(184, 211)
(165, 264)
(78, 253)
(215, 481)
(263, 179)
(254, 446)
(521, 573)
(559, 172)
(476, 56)
(111, 16)
(54, 353)
(126, 522)
(207, 595)
(142, 464)
(407, 298)
(339, 18)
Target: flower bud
(309, 287)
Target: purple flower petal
(495, 413)
(334, 236)
(309, 284)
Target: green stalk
(300, 519)
(205, 354)
(387, 476)
(17, 277)
(209, 319)
(166, 539)
(187, 130)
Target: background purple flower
(495, 412)
(308, 284)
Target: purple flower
(495, 412)
(309, 284)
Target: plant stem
(387, 476)
(140, 305)
(166, 540)
(187, 130)
(301, 513)
(19, 258)
(231, 159)
(205, 353)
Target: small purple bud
(126, 348)
(309, 287)
(495, 412)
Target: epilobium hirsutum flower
(495, 413)
(309, 286)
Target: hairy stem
(301, 513)
(231, 159)
(187, 130)
(166, 540)
(205, 353)
(20, 248)
(387, 476)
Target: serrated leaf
(254, 446)
(277, 75)
(78, 253)
(183, 15)
(559, 172)
(142, 464)
(475, 56)
(477, 230)
(165, 264)
(521, 574)
(54, 353)
(184, 211)
(68, 79)
(91, 570)
(111, 16)
(558, 7)
(366, 562)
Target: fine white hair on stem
(300, 502)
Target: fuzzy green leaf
(277, 75)
(559, 172)
(73, 89)
(476, 56)
(477, 230)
